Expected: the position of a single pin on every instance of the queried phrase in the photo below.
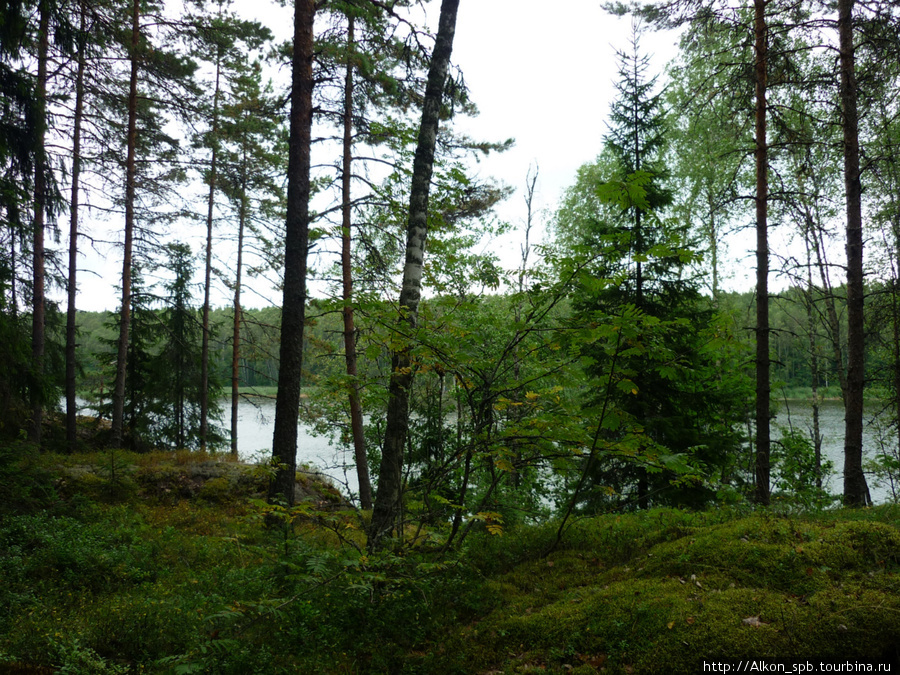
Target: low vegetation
(170, 563)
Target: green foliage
(189, 586)
(24, 485)
(796, 474)
(162, 402)
(662, 590)
(665, 402)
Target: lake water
(831, 425)
(256, 424)
(255, 429)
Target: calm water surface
(831, 425)
(256, 423)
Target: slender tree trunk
(643, 481)
(713, 247)
(356, 416)
(207, 280)
(763, 439)
(833, 322)
(293, 312)
(71, 430)
(813, 354)
(387, 498)
(895, 347)
(855, 488)
(130, 171)
(531, 178)
(40, 205)
(13, 264)
(236, 329)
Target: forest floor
(169, 562)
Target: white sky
(540, 74)
(543, 76)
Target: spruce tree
(178, 365)
(638, 262)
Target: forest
(567, 460)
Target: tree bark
(130, 171)
(855, 488)
(763, 366)
(356, 416)
(40, 205)
(388, 495)
(293, 313)
(236, 328)
(71, 429)
(813, 352)
(207, 279)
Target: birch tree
(389, 491)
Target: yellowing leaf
(504, 465)
(494, 529)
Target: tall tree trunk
(833, 322)
(763, 439)
(40, 205)
(293, 312)
(71, 430)
(813, 352)
(855, 488)
(207, 279)
(236, 329)
(387, 498)
(356, 416)
(130, 171)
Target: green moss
(659, 592)
(157, 575)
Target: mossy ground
(663, 590)
(165, 564)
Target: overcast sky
(544, 76)
(540, 73)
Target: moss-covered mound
(659, 592)
(173, 476)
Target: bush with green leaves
(798, 478)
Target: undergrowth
(122, 564)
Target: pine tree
(222, 40)
(252, 158)
(296, 248)
(159, 84)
